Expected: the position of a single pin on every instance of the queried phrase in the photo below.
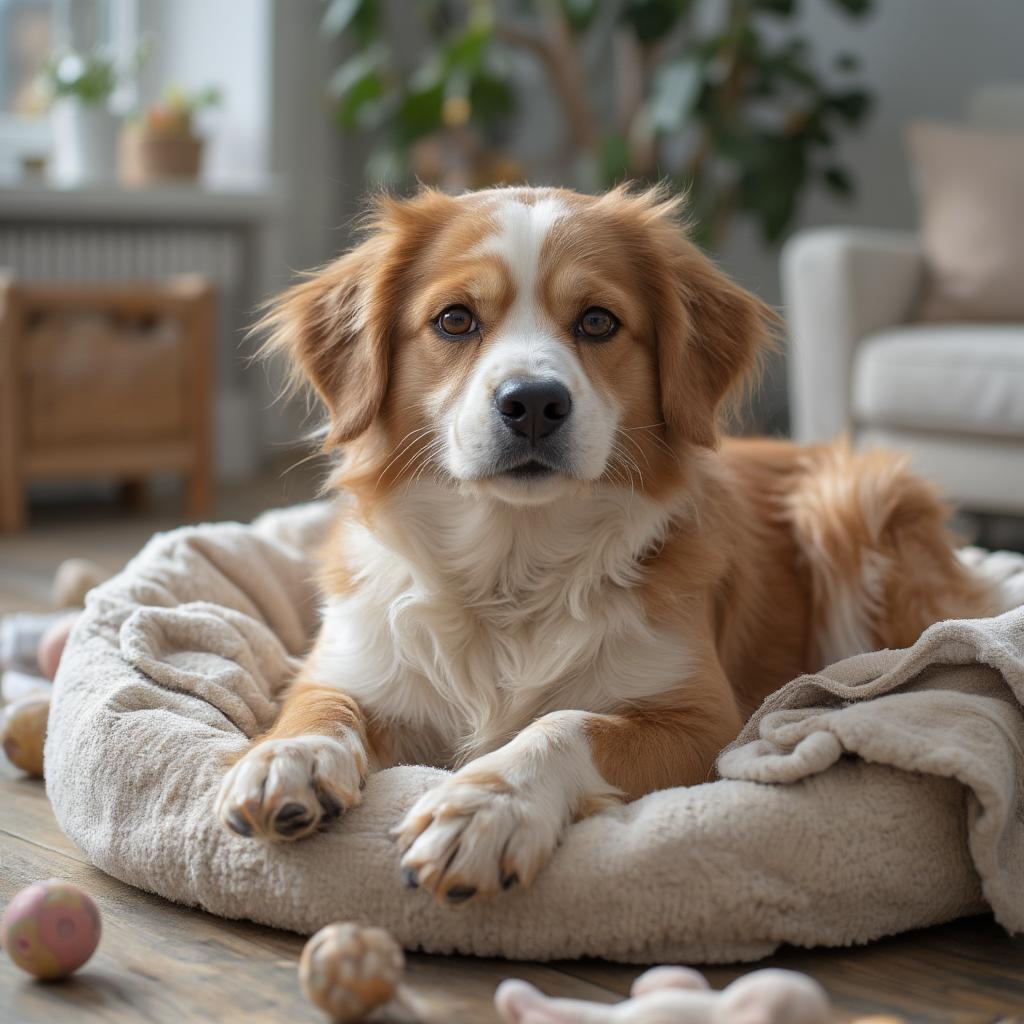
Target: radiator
(117, 253)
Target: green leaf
(339, 16)
(855, 8)
(614, 159)
(651, 20)
(785, 8)
(773, 169)
(356, 68)
(852, 106)
(362, 105)
(793, 70)
(358, 18)
(676, 89)
(420, 112)
(838, 181)
(360, 86)
(579, 13)
(816, 132)
(466, 51)
(92, 79)
(491, 98)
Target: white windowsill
(23, 200)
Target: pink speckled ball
(50, 929)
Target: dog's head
(522, 342)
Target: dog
(549, 572)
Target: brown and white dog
(547, 572)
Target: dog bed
(880, 795)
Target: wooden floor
(163, 963)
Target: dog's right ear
(334, 329)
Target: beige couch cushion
(947, 378)
(971, 189)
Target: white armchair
(951, 395)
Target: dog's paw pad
(464, 841)
(286, 789)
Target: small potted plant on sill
(162, 144)
(84, 127)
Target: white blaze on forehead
(527, 340)
(522, 231)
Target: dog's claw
(460, 893)
(237, 822)
(292, 819)
(331, 807)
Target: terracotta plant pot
(147, 156)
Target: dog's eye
(597, 324)
(456, 322)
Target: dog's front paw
(475, 834)
(285, 789)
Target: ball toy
(53, 642)
(50, 929)
(348, 971)
(23, 732)
(74, 578)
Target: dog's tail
(882, 560)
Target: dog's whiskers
(424, 459)
(404, 446)
(650, 430)
(622, 459)
(638, 446)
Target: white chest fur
(470, 618)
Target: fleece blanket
(882, 794)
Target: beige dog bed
(181, 657)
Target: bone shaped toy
(678, 995)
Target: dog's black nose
(533, 408)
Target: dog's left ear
(711, 336)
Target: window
(30, 31)
(26, 40)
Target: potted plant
(84, 127)
(163, 144)
(728, 101)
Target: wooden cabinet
(107, 382)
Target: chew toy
(23, 732)
(50, 929)
(348, 971)
(681, 996)
(74, 578)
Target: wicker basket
(94, 378)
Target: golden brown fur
(776, 559)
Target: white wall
(197, 43)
